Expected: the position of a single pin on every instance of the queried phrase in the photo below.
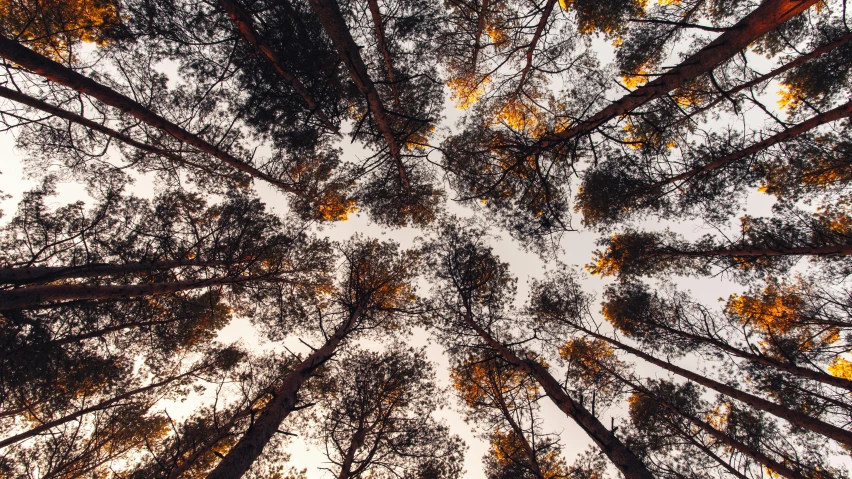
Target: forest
(588, 239)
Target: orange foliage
(52, 26)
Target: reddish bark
(244, 23)
(763, 19)
(548, 9)
(57, 73)
(82, 412)
(793, 417)
(623, 459)
(331, 18)
(36, 274)
(843, 111)
(32, 296)
(240, 458)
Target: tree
(474, 288)
(503, 401)
(550, 305)
(376, 419)
(371, 296)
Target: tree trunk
(763, 360)
(331, 18)
(763, 19)
(833, 250)
(376, 15)
(843, 111)
(819, 51)
(95, 126)
(793, 417)
(42, 274)
(720, 436)
(55, 72)
(615, 450)
(223, 432)
(244, 24)
(349, 458)
(548, 9)
(82, 412)
(24, 298)
(528, 449)
(240, 458)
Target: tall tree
(376, 420)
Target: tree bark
(223, 432)
(240, 458)
(243, 21)
(57, 73)
(763, 19)
(793, 417)
(843, 111)
(817, 52)
(331, 18)
(349, 458)
(623, 459)
(95, 126)
(528, 449)
(376, 15)
(833, 250)
(763, 360)
(29, 297)
(720, 436)
(82, 412)
(41, 274)
(548, 9)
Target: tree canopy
(180, 299)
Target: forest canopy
(197, 310)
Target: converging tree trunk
(793, 417)
(334, 24)
(615, 450)
(843, 111)
(240, 458)
(55, 72)
(716, 434)
(244, 23)
(33, 296)
(763, 19)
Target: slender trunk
(82, 412)
(223, 432)
(548, 9)
(793, 417)
(91, 334)
(376, 14)
(528, 449)
(42, 274)
(95, 126)
(716, 434)
(331, 18)
(706, 450)
(817, 52)
(29, 297)
(833, 250)
(240, 458)
(349, 458)
(244, 24)
(763, 19)
(843, 111)
(763, 360)
(480, 27)
(615, 450)
(57, 73)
